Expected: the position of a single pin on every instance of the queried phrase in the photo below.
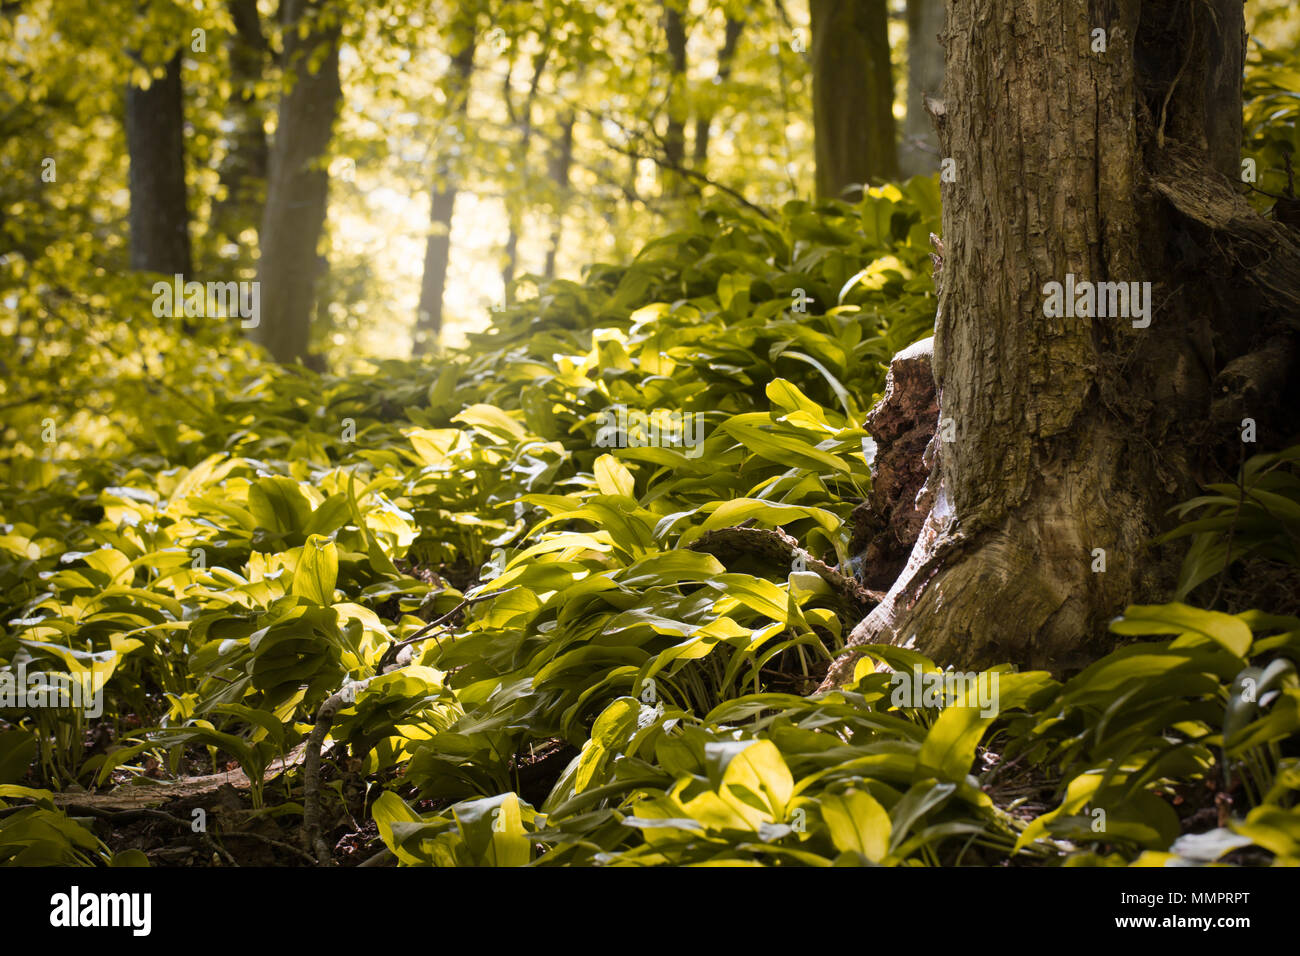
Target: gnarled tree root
(1036, 562)
(781, 549)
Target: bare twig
(390, 653)
(664, 163)
(312, 840)
(123, 815)
(270, 841)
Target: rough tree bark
(1074, 434)
(298, 184)
(918, 153)
(437, 246)
(159, 218)
(853, 94)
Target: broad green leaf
(613, 478)
(1227, 630)
(317, 571)
(857, 823)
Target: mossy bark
(853, 95)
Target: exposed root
(781, 549)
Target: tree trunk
(243, 170)
(1071, 436)
(675, 134)
(727, 53)
(159, 218)
(298, 185)
(918, 154)
(561, 162)
(522, 167)
(437, 247)
(853, 94)
(437, 257)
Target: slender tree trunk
(433, 284)
(1071, 436)
(561, 162)
(437, 247)
(853, 94)
(675, 134)
(525, 143)
(918, 154)
(243, 170)
(726, 54)
(160, 219)
(298, 185)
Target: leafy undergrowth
(600, 686)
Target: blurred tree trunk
(1070, 437)
(703, 124)
(918, 154)
(525, 122)
(561, 162)
(298, 184)
(243, 170)
(853, 94)
(437, 246)
(159, 217)
(675, 134)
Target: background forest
(360, 575)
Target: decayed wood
(903, 425)
(158, 792)
(1267, 253)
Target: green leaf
(739, 510)
(857, 824)
(389, 809)
(492, 421)
(278, 505)
(613, 478)
(949, 748)
(317, 571)
(1226, 630)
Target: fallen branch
(127, 797)
(269, 841)
(312, 840)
